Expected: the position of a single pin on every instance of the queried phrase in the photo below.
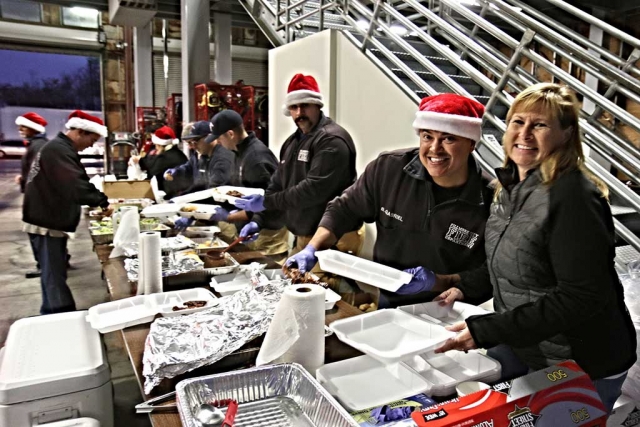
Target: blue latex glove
(251, 203)
(221, 215)
(305, 259)
(422, 281)
(396, 414)
(248, 230)
(171, 172)
(181, 224)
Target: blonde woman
(550, 250)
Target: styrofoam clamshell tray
(204, 231)
(201, 211)
(362, 270)
(230, 284)
(390, 335)
(204, 243)
(120, 314)
(443, 315)
(193, 197)
(220, 193)
(350, 382)
(161, 210)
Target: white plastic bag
(157, 193)
(134, 172)
(126, 225)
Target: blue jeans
(52, 255)
(608, 390)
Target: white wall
(359, 96)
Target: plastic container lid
(120, 314)
(49, 356)
(76, 422)
(193, 197)
(364, 382)
(363, 270)
(390, 335)
(443, 315)
(220, 193)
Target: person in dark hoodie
(429, 203)
(166, 155)
(317, 163)
(56, 188)
(31, 127)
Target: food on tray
(297, 277)
(189, 208)
(189, 305)
(207, 244)
(149, 221)
(368, 308)
(102, 230)
(234, 193)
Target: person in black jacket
(57, 187)
(167, 155)
(430, 203)
(31, 126)
(317, 163)
(253, 167)
(550, 255)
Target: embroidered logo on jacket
(303, 155)
(459, 235)
(390, 214)
(35, 168)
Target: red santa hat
(450, 113)
(32, 121)
(83, 121)
(302, 90)
(164, 136)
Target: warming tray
(285, 395)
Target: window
(80, 17)
(20, 10)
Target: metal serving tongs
(154, 405)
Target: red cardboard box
(559, 396)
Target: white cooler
(53, 371)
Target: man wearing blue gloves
(430, 204)
(317, 163)
(209, 166)
(253, 167)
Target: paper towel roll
(150, 263)
(296, 333)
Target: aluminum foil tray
(268, 396)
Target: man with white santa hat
(57, 186)
(317, 163)
(430, 203)
(31, 127)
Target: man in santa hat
(57, 186)
(167, 155)
(430, 203)
(317, 163)
(31, 127)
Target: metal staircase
(477, 48)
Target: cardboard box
(128, 190)
(562, 395)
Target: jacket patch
(303, 156)
(460, 236)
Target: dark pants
(52, 255)
(33, 249)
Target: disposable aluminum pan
(271, 395)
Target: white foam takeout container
(390, 335)
(120, 314)
(362, 270)
(161, 210)
(443, 315)
(201, 212)
(220, 193)
(193, 197)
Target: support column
(222, 48)
(143, 66)
(195, 52)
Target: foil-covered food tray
(271, 395)
(171, 266)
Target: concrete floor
(20, 297)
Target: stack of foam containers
(398, 346)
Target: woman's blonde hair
(560, 102)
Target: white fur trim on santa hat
(159, 141)
(21, 121)
(467, 127)
(86, 125)
(302, 97)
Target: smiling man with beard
(317, 163)
(430, 203)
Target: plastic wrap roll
(296, 333)
(150, 267)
